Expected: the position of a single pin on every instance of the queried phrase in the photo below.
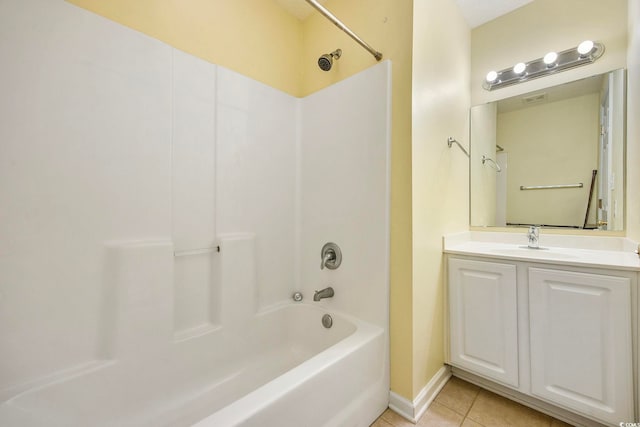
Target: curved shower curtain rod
(331, 17)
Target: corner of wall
(440, 184)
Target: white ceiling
(476, 12)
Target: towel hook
(489, 159)
(451, 140)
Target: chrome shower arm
(331, 17)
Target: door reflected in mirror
(553, 158)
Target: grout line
(466, 415)
(453, 409)
(472, 403)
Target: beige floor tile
(458, 395)
(492, 410)
(396, 420)
(558, 423)
(470, 423)
(440, 416)
(381, 422)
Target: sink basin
(526, 252)
(591, 251)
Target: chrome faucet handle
(330, 256)
(533, 235)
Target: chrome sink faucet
(534, 236)
(324, 293)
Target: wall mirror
(553, 157)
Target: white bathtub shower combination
(268, 373)
(158, 212)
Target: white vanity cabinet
(580, 342)
(484, 315)
(562, 335)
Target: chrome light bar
(586, 53)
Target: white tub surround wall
(156, 208)
(553, 328)
(85, 158)
(342, 202)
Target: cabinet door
(580, 329)
(484, 318)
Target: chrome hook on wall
(489, 159)
(451, 140)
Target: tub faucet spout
(324, 293)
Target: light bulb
(492, 76)
(585, 47)
(519, 68)
(550, 59)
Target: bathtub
(282, 368)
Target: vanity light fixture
(492, 76)
(585, 48)
(519, 68)
(550, 59)
(585, 53)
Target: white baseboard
(412, 411)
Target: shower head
(326, 61)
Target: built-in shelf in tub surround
(587, 251)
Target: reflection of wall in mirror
(548, 144)
(501, 189)
(616, 139)
(483, 177)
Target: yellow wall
(256, 38)
(539, 27)
(484, 178)
(441, 52)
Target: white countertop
(584, 251)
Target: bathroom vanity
(554, 328)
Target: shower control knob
(331, 256)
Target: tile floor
(461, 404)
